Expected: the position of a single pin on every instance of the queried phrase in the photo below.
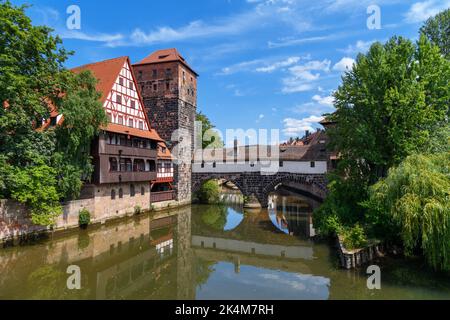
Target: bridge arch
(257, 187)
(197, 183)
(306, 185)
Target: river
(205, 252)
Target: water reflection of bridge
(162, 257)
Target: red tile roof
(166, 154)
(165, 55)
(106, 73)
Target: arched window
(120, 193)
(132, 191)
(142, 191)
(113, 194)
(113, 164)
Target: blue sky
(269, 64)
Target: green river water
(206, 252)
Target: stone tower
(168, 86)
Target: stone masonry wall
(255, 185)
(15, 222)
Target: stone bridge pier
(256, 186)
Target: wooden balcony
(116, 177)
(128, 151)
(162, 196)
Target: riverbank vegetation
(41, 168)
(392, 135)
(209, 193)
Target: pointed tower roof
(165, 55)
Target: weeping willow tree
(416, 198)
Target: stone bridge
(257, 186)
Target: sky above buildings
(263, 64)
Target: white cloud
(241, 66)
(317, 106)
(303, 76)
(421, 11)
(279, 64)
(258, 16)
(100, 37)
(260, 117)
(359, 47)
(325, 101)
(351, 5)
(266, 65)
(296, 127)
(346, 64)
(292, 42)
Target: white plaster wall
(301, 167)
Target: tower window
(140, 75)
(167, 86)
(155, 73)
(155, 87)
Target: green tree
(415, 197)
(209, 192)
(210, 137)
(33, 80)
(389, 106)
(437, 29)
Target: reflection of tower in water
(293, 215)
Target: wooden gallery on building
(132, 163)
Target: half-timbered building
(125, 153)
